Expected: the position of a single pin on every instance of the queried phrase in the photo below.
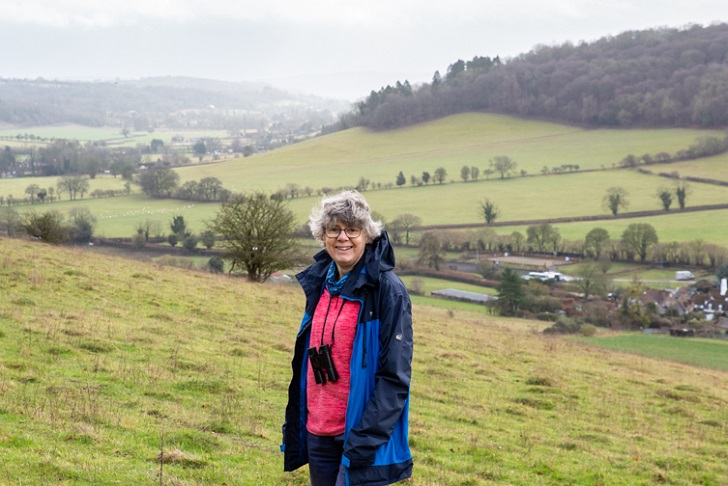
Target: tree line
(638, 242)
(664, 77)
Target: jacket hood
(378, 258)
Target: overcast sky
(332, 48)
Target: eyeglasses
(350, 232)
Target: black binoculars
(322, 364)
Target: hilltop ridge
(663, 77)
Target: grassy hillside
(108, 365)
(469, 139)
(342, 158)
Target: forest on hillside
(174, 102)
(663, 77)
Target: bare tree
(73, 185)
(406, 222)
(637, 239)
(257, 234)
(616, 199)
(431, 252)
(590, 279)
(465, 173)
(503, 165)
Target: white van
(544, 276)
(684, 275)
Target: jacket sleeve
(392, 380)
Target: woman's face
(344, 249)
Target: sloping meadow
(116, 371)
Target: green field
(166, 376)
(469, 139)
(430, 284)
(708, 168)
(675, 226)
(16, 186)
(708, 353)
(455, 203)
(526, 198)
(111, 135)
(340, 159)
(66, 131)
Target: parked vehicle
(684, 275)
(544, 276)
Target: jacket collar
(378, 258)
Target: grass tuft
(674, 395)
(96, 346)
(24, 301)
(540, 381)
(179, 458)
(535, 403)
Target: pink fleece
(327, 402)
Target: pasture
(707, 353)
(528, 198)
(166, 376)
(469, 139)
(15, 187)
(65, 131)
(673, 226)
(112, 136)
(708, 168)
(429, 284)
(340, 159)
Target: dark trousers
(324, 460)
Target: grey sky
(334, 48)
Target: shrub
(543, 304)
(417, 287)
(207, 238)
(82, 225)
(138, 240)
(216, 264)
(489, 270)
(46, 226)
(562, 327)
(190, 242)
(405, 262)
(588, 330)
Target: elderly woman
(347, 413)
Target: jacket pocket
(283, 441)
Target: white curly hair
(348, 208)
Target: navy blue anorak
(376, 451)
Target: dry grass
(124, 372)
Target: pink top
(327, 402)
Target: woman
(348, 401)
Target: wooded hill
(175, 102)
(664, 77)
